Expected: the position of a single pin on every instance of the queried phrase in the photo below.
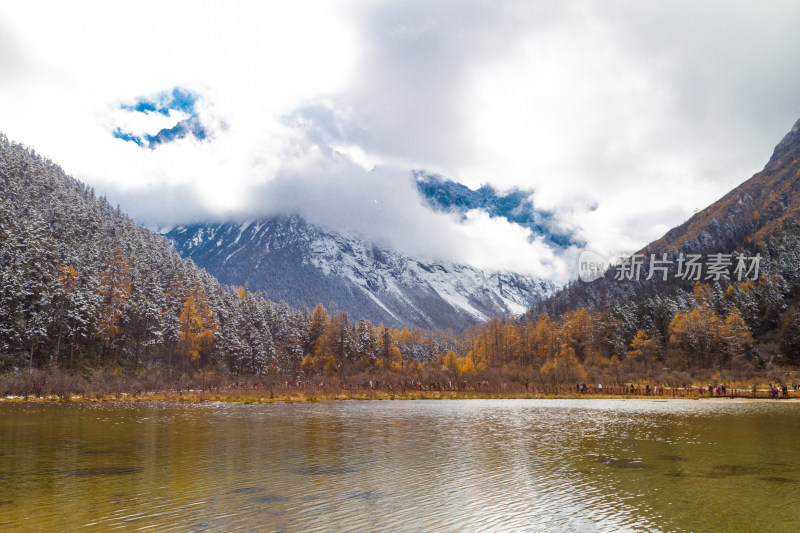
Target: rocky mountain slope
(749, 213)
(759, 217)
(289, 259)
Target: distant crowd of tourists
(775, 392)
(631, 388)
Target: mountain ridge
(749, 213)
(515, 205)
(287, 258)
(757, 217)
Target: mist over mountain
(289, 259)
(83, 286)
(755, 223)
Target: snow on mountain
(289, 259)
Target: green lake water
(472, 465)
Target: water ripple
(564, 465)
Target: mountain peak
(790, 142)
(290, 259)
(749, 213)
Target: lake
(471, 465)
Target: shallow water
(472, 465)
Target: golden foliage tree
(696, 334)
(563, 367)
(737, 336)
(391, 358)
(451, 362)
(703, 294)
(316, 349)
(68, 276)
(467, 367)
(198, 325)
(643, 348)
(544, 338)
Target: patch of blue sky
(183, 100)
(128, 137)
(179, 99)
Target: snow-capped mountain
(290, 259)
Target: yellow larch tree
(544, 338)
(737, 336)
(198, 325)
(643, 348)
(315, 349)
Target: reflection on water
(527, 465)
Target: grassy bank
(306, 395)
(52, 385)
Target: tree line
(82, 287)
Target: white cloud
(622, 116)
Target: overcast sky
(621, 117)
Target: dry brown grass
(154, 386)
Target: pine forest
(88, 297)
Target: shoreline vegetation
(59, 386)
(93, 304)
